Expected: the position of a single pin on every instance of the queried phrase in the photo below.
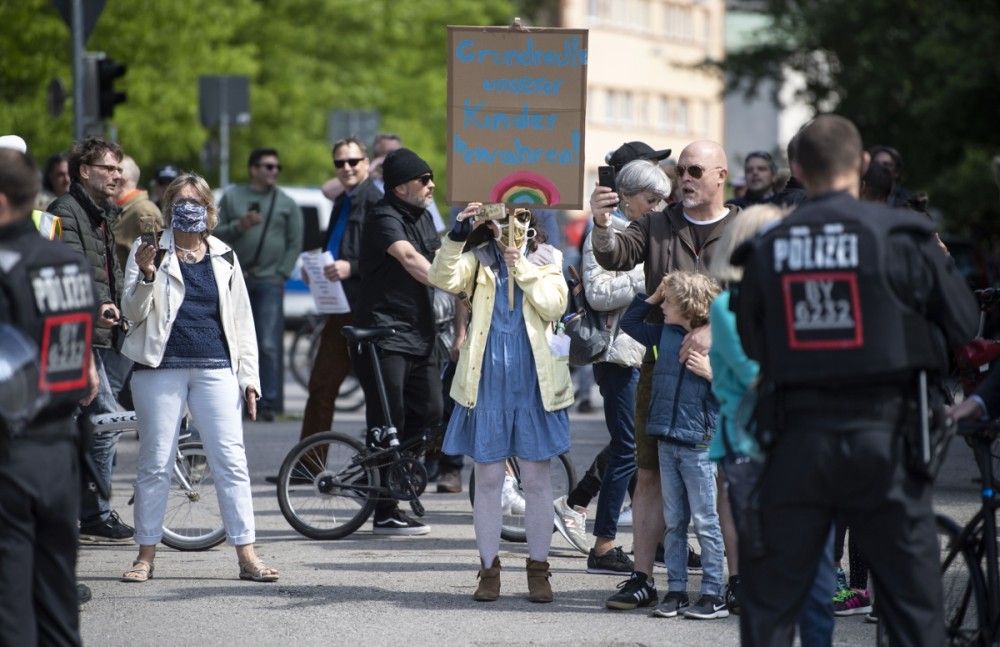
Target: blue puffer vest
(682, 408)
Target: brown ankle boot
(489, 583)
(539, 589)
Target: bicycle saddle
(355, 334)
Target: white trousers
(216, 404)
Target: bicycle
(302, 355)
(193, 521)
(330, 483)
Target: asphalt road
(376, 590)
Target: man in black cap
(161, 179)
(631, 151)
(397, 246)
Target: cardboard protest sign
(516, 115)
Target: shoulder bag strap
(263, 233)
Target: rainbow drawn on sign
(525, 187)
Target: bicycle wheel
(302, 352)
(512, 525)
(351, 396)
(964, 587)
(193, 520)
(315, 490)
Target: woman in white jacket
(643, 186)
(193, 343)
(511, 390)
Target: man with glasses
(397, 246)
(89, 217)
(343, 241)
(264, 226)
(759, 171)
(680, 238)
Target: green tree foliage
(919, 75)
(304, 58)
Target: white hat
(14, 142)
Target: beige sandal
(141, 571)
(256, 571)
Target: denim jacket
(682, 408)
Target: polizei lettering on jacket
(64, 296)
(61, 289)
(803, 250)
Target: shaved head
(702, 196)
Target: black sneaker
(636, 591)
(707, 608)
(399, 524)
(694, 562)
(673, 603)
(613, 562)
(733, 594)
(109, 531)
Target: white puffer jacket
(609, 293)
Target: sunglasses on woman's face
(353, 161)
(693, 170)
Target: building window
(610, 106)
(681, 116)
(706, 117)
(627, 114)
(663, 120)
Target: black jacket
(89, 228)
(366, 195)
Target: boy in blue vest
(682, 416)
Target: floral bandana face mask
(189, 216)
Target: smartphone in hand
(606, 176)
(148, 238)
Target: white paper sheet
(328, 295)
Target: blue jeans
(93, 507)
(617, 384)
(687, 480)
(267, 302)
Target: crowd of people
(758, 369)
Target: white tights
(487, 514)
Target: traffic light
(107, 97)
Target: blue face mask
(189, 216)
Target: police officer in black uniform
(46, 299)
(846, 305)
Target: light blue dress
(509, 418)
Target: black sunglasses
(270, 167)
(425, 179)
(353, 161)
(693, 170)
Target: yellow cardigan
(545, 298)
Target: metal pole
(223, 133)
(77, 53)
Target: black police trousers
(39, 506)
(856, 473)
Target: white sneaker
(572, 524)
(510, 498)
(625, 517)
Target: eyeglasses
(425, 179)
(693, 170)
(353, 161)
(110, 168)
(270, 167)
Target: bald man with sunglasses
(679, 238)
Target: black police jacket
(845, 292)
(47, 291)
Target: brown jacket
(137, 210)
(660, 240)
